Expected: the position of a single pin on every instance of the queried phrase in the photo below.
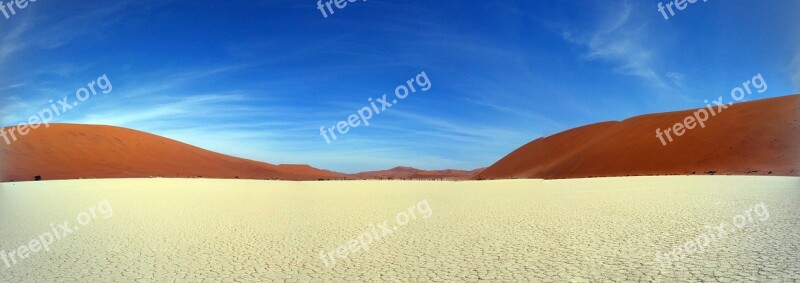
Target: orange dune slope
(69, 151)
(750, 138)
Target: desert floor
(605, 229)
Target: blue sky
(257, 79)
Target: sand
(606, 229)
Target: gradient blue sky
(256, 79)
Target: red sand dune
(68, 151)
(751, 138)
(398, 173)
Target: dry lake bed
(692, 228)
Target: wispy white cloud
(13, 86)
(27, 36)
(193, 108)
(14, 40)
(472, 133)
(171, 79)
(620, 39)
(52, 32)
(677, 78)
(123, 117)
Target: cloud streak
(13, 40)
(621, 39)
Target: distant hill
(415, 174)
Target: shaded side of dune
(751, 138)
